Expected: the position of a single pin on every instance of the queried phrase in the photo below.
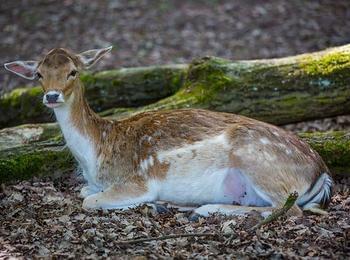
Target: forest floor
(45, 218)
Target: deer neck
(79, 125)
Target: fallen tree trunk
(37, 150)
(117, 88)
(278, 91)
(333, 147)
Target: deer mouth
(53, 104)
(53, 99)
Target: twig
(155, 225)
(274, 215)
(278, 212)
(147, 239)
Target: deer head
(57, 72)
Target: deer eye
(73, 73)
(39, 76)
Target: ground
(45, 218)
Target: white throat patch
(80, 145)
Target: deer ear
(89, 58)
(25, 69)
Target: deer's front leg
(88, 190)
(123, 196)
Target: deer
(211, 162)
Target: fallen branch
(148, 239)
(278, 212)
(274, 215)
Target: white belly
(196, 176)
(225, 186)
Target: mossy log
(128, 87)
(333, 147)
(279, 91)
(37, 150)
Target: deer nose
(52, 98)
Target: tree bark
(333, 147)
(116, 88)
(37, 150)
(279, 91)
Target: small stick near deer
(216, 162)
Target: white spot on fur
(146, 164)
(268, 156)
(264, 140)
(104, 134)
(276, 133)
(204, 147)
(288, 151)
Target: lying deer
(220, 162)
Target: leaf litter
(44, 218)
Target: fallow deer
(220, 162)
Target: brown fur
(299, 168)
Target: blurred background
(150, 32)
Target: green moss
(326, 65)
(117, 113)
(87, 78)
(34, 92)
(205, 78)
(334, 148)
(31, 105)
(14, 96)
(132, 87)
(21, 166)
(23, 106)
(51, 132)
